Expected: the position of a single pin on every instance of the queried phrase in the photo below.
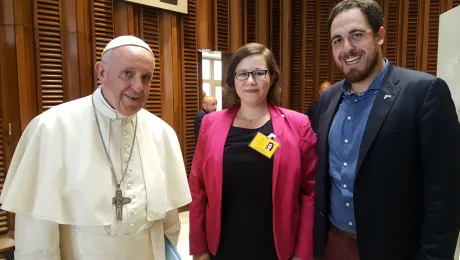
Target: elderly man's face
(125, 77)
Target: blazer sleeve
(304, 244)
(197, 235)
(440, 149)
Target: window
(211, 68)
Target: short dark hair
(369, 8)
(273, 96)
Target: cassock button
(130, 172)
(282, 116)
(125, 133)
(132, 225)
(126, 146)
(126, 159)
(133, 211)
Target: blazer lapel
(327, 121)
(278, 124)
(384, 100)
(218, 144)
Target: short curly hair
(274, 93)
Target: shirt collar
(104, 108)
(374, 85)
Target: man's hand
(295, 258)
(201, 257)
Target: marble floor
(182, 245)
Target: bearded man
(388, 152)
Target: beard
(355, 75)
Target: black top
(311, 113)
(198, 118)
(247, 227)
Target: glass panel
(217, 70)
(206, 69)
(219, 97)
(207, 88)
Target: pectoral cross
(119, 201)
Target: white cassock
(60, 185)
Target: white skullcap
(124, 41)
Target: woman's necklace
(250, 120)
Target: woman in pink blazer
(248, 203)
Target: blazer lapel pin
(386, 96)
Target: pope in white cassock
(99, 177)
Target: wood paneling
(455, 3)
(275, 29)
(222, 25)
(150, 33)
(250, 20)
(102, 26)
(310, 84)
(296, 57)
(236, 24)
(48, 43)
(190, 85)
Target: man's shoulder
(67, 110)
(153, 122)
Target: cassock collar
(104, 108)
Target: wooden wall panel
(455, 3)
(48, 43)
(393, 14)
(102, 26)
(429, 64)
(296, 57)
(275, 29)
(250, 20)
(190, 81)
(222, 19)
(150, 30)
(310, 88)
(323, 57)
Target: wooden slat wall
(296, 58)
(103, 28)
(48, 44)
(250, 21)
(150, 29)
(275, 29)
(3, 214)
(310, 89)
(222, 25)
(190, 78)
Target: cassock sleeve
(36, 239)
(304, 244)
(171, 226)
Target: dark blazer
(406, 193)
(198, 118)
(312, 112)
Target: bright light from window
(206, 68)
(219, 97)
(207, 88)
(217, 70)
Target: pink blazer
(294, 164)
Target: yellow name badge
(264, 145)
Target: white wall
(449, 52)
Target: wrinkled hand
(202, 257)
